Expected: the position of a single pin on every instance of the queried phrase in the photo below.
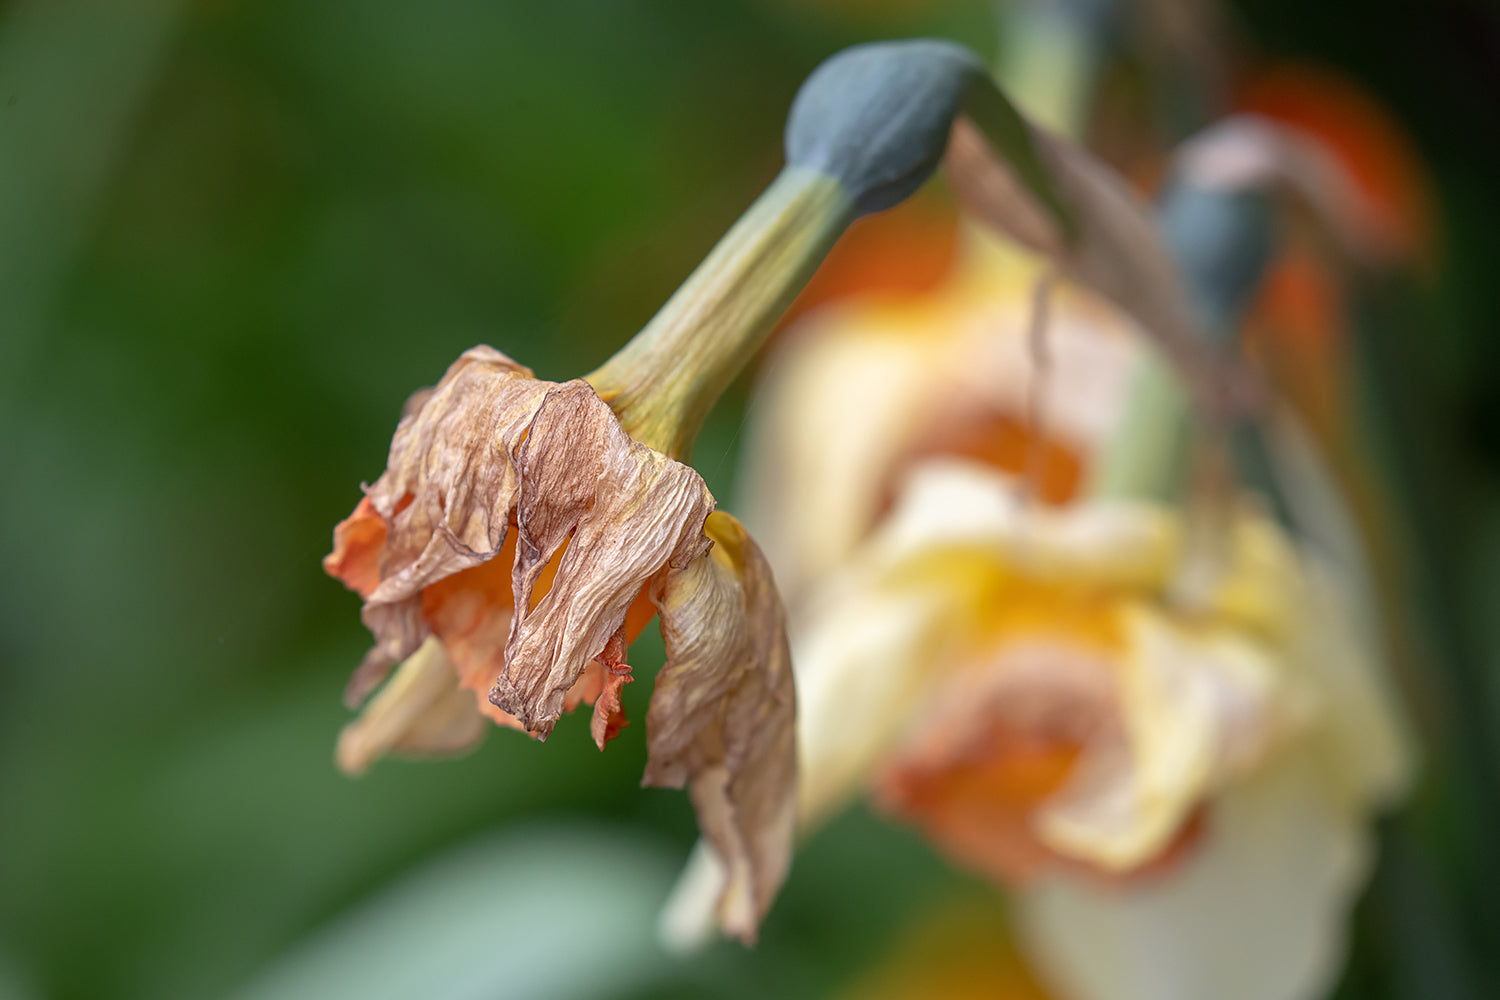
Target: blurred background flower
(232, 238)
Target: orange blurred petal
(1365, 140)
(999, 439)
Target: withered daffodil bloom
(524, 532)
(517, 543)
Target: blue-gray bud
(877, 116)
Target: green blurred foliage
(233, 237)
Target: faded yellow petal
(936, 661)
(862, 665)
(423, 710)
(889, 385)
(877, 644)
(624, 510)
(721, 718)
(1200, 707)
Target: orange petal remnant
(357, 541)
(1368, 144)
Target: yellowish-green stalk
(1047, 66)
(1146, 456)
(663, 383)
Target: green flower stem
(1221, 242)
(665, 380)
(865, 131)
(1049, 54)
(1147, 457)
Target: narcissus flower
(1168, 743)
(516, 544)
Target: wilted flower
(517, 543)
(525, 532)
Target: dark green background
(233, 237)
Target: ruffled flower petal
(517, 543)
(1256, 911)
(500, 485)
(721, 719)
(624, 512)
(445, 498)
(1019, 681)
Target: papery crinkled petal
(722, 715)
(520, 524)
(624, 512)
(445, 497)
(357, 543)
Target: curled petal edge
(721, 721)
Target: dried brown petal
(446, 496)
(721, 718)
(619, 512)
(596, 515)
